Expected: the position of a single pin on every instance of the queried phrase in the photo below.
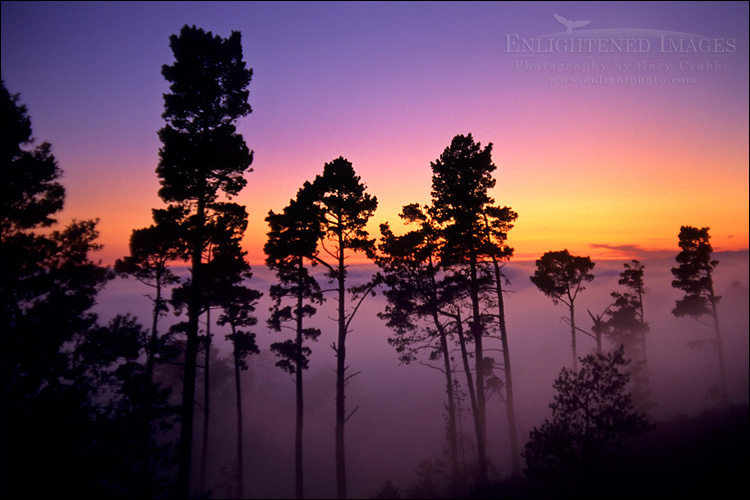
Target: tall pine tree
(291, 249)
(561, 277)
(202, 156)
(694, 276)
(464, 210)
(345, 207)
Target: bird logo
(570, 24)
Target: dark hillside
(689, 457)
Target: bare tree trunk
(573, 335)
(719, 347)
(298, 470)
(182, 483)
(512, 426)
(598, 329)
(150, 396)
(477, 331)
(469, 379)
(238, 398)
(452, 436)
(341, 378)
(643, 331)
(206, 402)
(154, 336)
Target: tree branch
(351, 414)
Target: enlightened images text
(665, 44)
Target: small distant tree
(694, 276)
(561, 277)
(626, 326)
(592, 418)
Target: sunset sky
(609, 166)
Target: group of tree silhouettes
(90, 406)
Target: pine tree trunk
(573, 336)
(238, 398)
(509, 405)
(469, 378)
(452, 431)
(341, 379)
(643, 331)
(206, 402)
(150, 396)
(182, 484)
(298, 470)
(719, 347)
(477, 333)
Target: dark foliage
(626, 326)
(291, 250)
(592, 416)
(31, 193)
(694, 273)
(388, 490)
(694, 276)
(704, 456)
(72, 390)
(561, 276)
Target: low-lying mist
(400, 417)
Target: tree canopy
(202, 152)
(31, 191)
(694, 273)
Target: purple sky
(387, 85)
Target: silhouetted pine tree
(202, 155)
(626, 326)
(229, 273)
(345, 208)
(561, 277)
(461, 180)
(292, 246)
(694, 276)
(151, 250)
